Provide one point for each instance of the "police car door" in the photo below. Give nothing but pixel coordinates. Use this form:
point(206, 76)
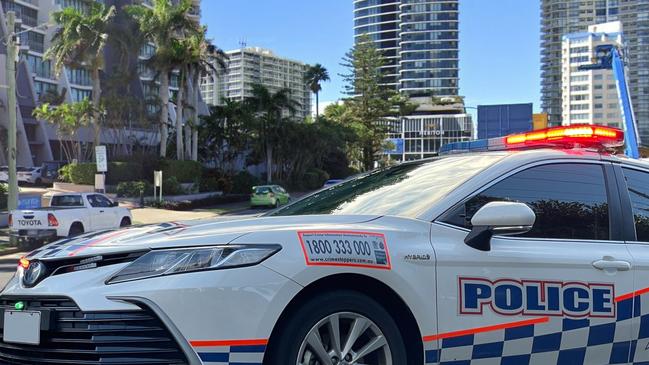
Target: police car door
point(634, 184)
point(544, 297)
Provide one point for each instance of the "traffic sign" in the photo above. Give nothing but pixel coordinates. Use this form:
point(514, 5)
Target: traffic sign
point(102, 158)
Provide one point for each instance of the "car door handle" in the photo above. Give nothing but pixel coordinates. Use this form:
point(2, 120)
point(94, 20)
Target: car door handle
point(101, 211)
point(612, 265)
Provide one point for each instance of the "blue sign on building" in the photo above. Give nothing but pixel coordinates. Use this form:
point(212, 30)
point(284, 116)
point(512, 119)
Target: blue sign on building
point(501, 120)
point(29, 201)
point(398, 146)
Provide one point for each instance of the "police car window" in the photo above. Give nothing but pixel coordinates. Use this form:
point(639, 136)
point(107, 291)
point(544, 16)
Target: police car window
point(569, 200)
point(638, 185)
point(407, 190)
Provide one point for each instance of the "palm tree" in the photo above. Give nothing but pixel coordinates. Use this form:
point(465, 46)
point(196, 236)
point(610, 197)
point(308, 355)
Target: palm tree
point(79, 42)
point(315, 75)
point(270, 107)
point(164, 25)
point(202, 58)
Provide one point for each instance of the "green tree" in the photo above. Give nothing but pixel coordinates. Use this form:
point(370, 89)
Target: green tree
point(165, 24)
point(314, 77)
point(202, 58)
point(224, 134)
point(68, 118)
point(369, 101)
point(79, 43)
point(270, 108)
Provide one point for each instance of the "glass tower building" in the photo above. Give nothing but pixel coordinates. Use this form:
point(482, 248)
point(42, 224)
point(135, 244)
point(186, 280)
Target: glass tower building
point(419, 40)
point(562, 17)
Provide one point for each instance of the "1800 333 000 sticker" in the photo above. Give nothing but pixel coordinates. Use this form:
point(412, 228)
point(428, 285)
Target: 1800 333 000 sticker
point(345, 248)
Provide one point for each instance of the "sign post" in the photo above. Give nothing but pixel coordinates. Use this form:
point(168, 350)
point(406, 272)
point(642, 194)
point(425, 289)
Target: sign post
point(101, 158)
point(157, 183)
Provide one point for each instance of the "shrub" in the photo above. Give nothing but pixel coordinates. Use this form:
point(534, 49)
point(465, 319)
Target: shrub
point(79, 173)
point(123, 171)
point(243, 182)
point(133, 189)
point(171, 186)
point(314, 179)
point(224, 184)
point(201, 203)
point(183, 171)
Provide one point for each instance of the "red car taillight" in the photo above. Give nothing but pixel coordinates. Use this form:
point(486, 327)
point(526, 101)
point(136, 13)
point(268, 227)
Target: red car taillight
point(51, 220)
point(10, 220)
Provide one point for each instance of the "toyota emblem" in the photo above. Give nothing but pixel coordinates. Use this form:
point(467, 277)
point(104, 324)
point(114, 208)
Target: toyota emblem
point(34, 273)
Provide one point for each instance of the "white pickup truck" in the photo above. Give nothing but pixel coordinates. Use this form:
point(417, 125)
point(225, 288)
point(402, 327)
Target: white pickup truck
point(69, 214)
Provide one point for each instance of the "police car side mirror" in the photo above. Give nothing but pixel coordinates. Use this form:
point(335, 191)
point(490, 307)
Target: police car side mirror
point(499, 218)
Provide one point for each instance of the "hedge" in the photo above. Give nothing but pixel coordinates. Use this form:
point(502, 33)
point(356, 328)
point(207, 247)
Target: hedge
point(84, 173)
point(201, 203)
point(183, 171)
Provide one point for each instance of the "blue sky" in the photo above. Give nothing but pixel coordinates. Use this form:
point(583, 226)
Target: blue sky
point(499, 41)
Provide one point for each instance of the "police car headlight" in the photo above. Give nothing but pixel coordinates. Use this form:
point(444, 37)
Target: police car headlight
point(178, 261)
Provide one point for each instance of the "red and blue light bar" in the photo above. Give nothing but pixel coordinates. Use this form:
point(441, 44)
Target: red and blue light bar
point(574, 136)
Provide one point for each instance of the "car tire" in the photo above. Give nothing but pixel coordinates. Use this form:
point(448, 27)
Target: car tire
point(76, 229)
point(277, 204)
point(348, 308)
point(38, 182)
point(126, 221)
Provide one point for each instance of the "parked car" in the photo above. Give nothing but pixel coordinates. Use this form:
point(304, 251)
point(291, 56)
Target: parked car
point(4, 173)
point(69, 214)
point(331, 182)
point(269, 196)
point(31, 175)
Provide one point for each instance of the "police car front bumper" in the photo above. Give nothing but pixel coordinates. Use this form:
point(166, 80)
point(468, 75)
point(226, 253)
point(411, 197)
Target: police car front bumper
point(208, 315)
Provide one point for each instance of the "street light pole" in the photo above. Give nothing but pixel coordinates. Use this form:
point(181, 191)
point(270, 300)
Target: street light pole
point(12, 202)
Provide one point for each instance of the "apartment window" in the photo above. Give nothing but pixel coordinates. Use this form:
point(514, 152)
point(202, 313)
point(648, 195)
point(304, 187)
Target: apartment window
point(598, 116)
point(79, 95)
point(579, 97)
point(613, 105)
point(598, 77)
point(598, 106)
point(611, 86)
point(579, 78)
point(579, 106)
point(579, 116)
point(598, 87)
point(579, 88)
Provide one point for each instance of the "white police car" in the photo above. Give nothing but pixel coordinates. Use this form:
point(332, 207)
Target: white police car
point(520, 256)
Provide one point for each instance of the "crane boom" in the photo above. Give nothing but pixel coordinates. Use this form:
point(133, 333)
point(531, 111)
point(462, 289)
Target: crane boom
point(609, 57)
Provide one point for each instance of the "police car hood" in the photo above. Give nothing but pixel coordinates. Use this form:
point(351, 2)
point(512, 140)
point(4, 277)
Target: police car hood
point(184, 234)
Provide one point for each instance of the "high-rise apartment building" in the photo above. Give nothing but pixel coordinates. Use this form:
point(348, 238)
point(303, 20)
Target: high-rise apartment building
point(562, 17)
point(37, 140)
point(419, 40)
point(252, 65)
point(590, 96)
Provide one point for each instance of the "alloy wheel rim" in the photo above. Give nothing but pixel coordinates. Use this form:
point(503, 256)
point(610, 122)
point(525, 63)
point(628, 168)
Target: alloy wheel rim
point(345, 338)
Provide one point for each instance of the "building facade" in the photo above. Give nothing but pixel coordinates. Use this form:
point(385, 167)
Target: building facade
point(590, 96)
point(421, 136)
point(252, 65)
point(38, 141)
point(501, 120)
point(419, 40)
point(562, 17)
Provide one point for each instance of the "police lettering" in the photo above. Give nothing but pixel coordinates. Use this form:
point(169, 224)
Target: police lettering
point(534, 298)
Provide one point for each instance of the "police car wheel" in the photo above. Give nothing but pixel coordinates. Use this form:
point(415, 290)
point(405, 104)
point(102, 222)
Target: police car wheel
point(340, 328)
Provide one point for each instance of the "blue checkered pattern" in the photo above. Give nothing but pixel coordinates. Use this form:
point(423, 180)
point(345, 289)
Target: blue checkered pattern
point(561, 341)
point(232, 355)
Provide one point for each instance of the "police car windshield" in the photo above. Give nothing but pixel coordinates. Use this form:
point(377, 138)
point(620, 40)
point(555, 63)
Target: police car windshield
point(407, 190)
